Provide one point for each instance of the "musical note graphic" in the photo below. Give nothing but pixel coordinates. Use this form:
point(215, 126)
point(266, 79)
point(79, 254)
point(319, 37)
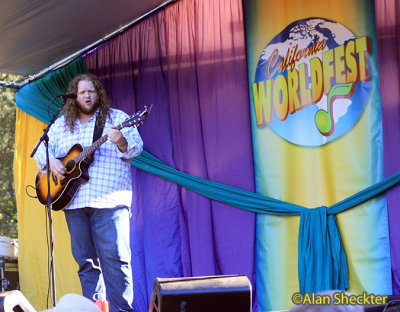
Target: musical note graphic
point(324, 119)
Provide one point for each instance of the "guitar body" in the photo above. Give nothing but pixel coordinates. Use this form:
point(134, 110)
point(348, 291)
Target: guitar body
point(63, 191)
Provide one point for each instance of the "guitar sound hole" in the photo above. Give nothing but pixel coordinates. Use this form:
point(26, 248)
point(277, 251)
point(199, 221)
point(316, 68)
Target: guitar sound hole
point(70, 165)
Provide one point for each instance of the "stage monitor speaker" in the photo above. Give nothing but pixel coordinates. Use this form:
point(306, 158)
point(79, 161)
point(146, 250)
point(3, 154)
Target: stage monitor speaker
point(223, 293)
point(14, 301)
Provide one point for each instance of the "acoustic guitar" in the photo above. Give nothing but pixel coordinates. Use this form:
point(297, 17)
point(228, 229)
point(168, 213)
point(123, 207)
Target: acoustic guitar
point(76, 162)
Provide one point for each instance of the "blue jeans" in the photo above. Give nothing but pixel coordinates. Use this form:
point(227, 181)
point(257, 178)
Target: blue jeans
point(100, 246)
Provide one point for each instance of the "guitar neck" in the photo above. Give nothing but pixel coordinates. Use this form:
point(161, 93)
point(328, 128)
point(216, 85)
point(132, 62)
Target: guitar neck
point(92, 148)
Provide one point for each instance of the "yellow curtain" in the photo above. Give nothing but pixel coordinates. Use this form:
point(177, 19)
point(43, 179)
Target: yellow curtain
point(34, 251)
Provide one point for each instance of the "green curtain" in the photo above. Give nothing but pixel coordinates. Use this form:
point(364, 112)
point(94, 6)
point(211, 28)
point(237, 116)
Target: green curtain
point(34, 98)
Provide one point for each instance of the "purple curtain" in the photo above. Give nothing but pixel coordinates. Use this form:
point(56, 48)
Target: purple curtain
point(388, 31)
point(188, 60)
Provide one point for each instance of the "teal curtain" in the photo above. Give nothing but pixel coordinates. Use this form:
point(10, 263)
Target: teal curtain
point(34, 98)
point(322, 262)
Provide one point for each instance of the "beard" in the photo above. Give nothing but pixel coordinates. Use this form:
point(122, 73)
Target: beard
point(87, 110)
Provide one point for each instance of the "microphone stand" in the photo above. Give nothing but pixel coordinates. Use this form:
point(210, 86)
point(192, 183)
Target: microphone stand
point(44, 138)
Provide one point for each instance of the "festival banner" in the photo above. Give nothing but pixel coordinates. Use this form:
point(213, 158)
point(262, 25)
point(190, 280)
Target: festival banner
point(317, 135)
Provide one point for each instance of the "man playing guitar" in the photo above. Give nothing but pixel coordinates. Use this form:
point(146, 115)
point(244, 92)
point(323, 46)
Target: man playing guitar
point(97, 210)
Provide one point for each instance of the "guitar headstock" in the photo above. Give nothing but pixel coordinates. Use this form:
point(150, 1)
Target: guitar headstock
point(137, 118)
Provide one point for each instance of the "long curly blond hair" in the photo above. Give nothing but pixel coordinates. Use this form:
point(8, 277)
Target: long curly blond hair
point(70, 108)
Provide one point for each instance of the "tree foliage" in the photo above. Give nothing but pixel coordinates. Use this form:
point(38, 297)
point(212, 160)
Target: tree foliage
point(8, 207)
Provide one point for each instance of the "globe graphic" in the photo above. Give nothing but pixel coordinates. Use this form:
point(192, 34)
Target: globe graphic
point(300, 128)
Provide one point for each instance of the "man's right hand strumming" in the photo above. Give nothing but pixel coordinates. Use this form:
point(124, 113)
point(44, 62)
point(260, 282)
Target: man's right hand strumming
point(57, 168)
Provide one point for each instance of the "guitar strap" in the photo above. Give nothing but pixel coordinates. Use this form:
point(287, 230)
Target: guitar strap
point(97, 130)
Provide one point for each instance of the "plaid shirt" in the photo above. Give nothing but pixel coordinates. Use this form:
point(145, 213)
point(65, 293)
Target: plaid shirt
point(110, 183)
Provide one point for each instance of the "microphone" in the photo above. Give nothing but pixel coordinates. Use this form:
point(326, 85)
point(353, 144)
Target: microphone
point(67, 96)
